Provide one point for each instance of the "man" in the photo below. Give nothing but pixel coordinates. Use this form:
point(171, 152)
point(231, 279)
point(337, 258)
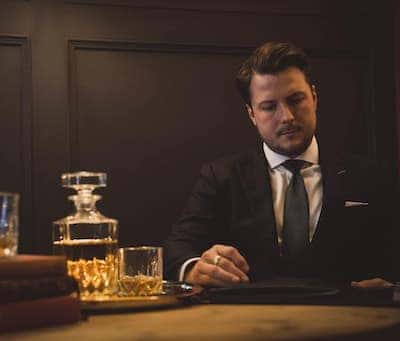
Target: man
point(285, 209)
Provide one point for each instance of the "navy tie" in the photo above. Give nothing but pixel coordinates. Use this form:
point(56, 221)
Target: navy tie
point(296, 213)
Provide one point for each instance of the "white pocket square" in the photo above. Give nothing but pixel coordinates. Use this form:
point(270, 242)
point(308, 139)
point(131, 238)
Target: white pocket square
point(355, 203)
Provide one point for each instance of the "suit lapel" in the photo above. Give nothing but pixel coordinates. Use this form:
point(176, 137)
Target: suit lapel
point(254, 177)
point(332, 172)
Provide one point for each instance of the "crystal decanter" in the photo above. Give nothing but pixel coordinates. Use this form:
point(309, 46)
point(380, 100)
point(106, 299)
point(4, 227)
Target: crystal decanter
point(87, 238)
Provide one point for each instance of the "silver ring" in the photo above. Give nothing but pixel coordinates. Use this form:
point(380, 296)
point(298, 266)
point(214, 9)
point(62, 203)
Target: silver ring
point(216, 260)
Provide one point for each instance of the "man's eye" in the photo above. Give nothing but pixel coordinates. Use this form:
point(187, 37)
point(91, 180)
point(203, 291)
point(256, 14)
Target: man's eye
point(270, 107)
point(295, 100)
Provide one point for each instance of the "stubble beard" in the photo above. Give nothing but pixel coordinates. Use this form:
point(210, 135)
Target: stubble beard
point(291, 150)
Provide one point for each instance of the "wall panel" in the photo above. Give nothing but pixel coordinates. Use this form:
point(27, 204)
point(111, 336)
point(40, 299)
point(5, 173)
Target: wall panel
point(15, 127)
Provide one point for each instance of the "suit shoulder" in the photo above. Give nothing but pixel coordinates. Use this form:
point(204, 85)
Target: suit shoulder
point(364, 167)
point(231, 160)
point(361, 163)
point(369, 175)
point(226, 165)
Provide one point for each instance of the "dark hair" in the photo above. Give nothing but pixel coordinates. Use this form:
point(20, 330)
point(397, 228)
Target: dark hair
point(270, 58)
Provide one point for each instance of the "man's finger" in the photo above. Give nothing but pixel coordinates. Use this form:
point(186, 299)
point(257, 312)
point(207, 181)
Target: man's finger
point(207, 281)
point(234, 255)
point(229, 266)
point(211, 257)
point(217, 272)
point(372, 284)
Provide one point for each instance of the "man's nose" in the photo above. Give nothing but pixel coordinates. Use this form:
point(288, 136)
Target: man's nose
point(286, 113)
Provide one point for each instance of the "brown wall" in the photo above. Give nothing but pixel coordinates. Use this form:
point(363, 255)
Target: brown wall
point(143, 90)
point(397, 75)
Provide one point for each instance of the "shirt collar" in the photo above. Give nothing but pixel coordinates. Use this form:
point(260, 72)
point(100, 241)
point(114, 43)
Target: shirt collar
point(310, 155)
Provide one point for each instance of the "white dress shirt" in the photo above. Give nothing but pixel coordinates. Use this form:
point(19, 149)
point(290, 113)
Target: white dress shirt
point(280, 178)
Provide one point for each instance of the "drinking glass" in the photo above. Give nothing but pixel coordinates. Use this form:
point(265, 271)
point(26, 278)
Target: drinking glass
point(8, 224)
point(140, 271)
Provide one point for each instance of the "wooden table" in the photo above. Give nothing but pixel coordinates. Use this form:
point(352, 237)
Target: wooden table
point(231, 322)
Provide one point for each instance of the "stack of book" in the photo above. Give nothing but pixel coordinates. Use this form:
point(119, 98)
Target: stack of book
point(36, 291)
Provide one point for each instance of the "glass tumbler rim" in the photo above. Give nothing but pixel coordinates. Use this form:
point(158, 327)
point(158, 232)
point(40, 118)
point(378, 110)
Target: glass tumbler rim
point(9, 194)
point(140, 248)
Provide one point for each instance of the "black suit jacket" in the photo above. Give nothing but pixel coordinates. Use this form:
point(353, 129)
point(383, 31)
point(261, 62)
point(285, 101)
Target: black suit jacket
point(231, 204)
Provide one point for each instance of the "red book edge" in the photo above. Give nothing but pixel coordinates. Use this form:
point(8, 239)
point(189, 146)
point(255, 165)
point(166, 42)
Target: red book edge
point(28, 266)
point(39, 313)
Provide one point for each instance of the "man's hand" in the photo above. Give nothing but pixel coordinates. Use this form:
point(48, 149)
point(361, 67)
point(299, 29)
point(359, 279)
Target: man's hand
point(374, 283)
point(219, 266)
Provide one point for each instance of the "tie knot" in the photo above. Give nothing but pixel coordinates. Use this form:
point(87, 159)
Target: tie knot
point(293, 165)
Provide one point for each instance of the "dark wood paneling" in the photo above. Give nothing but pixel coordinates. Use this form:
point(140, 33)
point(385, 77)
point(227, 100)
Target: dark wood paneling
point(15, 17)
point(304, 25)
point(144, 91)
point(50, 106)
point(280, 7)
point(15, 127)
point(346, 116)
point(397, 73)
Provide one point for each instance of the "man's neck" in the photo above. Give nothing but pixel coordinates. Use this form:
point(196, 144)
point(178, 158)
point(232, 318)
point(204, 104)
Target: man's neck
point(311, 155)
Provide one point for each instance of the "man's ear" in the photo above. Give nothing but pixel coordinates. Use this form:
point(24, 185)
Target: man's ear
point(314, 94)
point(251, 114)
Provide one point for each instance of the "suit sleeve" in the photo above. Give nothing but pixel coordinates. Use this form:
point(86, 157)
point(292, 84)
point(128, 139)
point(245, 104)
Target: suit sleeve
point(198, 226)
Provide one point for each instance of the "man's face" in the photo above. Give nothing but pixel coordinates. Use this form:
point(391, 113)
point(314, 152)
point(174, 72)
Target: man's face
point(283, 109)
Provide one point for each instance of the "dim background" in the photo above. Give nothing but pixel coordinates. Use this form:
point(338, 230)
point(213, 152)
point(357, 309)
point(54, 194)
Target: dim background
point(144, 91)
